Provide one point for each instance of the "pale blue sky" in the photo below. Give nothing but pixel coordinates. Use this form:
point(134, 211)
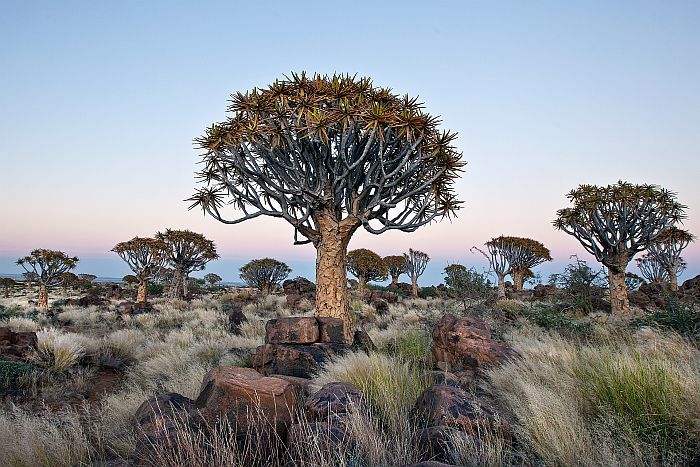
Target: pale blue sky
point(99, 102)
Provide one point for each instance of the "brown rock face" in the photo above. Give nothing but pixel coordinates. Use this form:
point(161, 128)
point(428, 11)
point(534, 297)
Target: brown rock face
point(330, 329)
point(291, 360)
point(158, 422)
point(334, 398)
point(441, 405)
point(438, 440)
point(543, 290)
point(465, 344)
point(297, 330)
point(246, 397)
point(16, 345)
point(134, 308)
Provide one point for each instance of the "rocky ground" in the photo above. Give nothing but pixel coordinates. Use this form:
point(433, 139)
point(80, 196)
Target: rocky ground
point(233, 378)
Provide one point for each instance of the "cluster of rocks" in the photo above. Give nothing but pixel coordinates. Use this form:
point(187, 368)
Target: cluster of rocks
point(380, 299)
point(99, 295)
point(298, 290)
point(16, 346)
point(655, 295)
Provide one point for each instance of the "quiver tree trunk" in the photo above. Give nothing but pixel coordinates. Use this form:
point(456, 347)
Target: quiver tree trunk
point(518, 279)
point(673, 280)
point(619, 300)
point(394, 281)
point(7, 292)
point(142, 294)
point(414, 286)
point(501, 287)
point(43, 297)
point(361, 285)
point(266, 290)
point(177, 286)
point(332, 297)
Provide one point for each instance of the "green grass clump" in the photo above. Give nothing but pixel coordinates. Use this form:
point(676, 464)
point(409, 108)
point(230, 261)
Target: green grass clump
point(412, 346)
point(551, 319)
point(12, 374)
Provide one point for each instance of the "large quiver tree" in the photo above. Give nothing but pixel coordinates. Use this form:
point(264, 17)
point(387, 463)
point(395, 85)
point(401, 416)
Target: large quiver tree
point(329, 155)
point(186, 252)
point(415, 262)
point(615, 222)
point(145, 257)
point(265, 274)
point(367, 266)
point(667, 250)
point(525, 254)
point(47, 267)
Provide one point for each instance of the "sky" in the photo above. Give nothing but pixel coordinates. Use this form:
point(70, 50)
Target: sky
point(100, 102)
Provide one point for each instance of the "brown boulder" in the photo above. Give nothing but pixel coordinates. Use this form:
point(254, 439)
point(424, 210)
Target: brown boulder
point(236, 317)
point(247, 399)
point(466, 344)
point(291, 360)
point(296, 330)
point(334, 398)
point(362, 342)
point(134, 308)
point(16, 345)
point(441, 405)
point(543, 291)
point(330, 330)
point(298, 286)
point(158, 422)
point(437, 441)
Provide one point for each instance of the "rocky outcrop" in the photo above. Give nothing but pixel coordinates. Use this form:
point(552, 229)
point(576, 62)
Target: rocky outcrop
point(466, 345)
point(302, 330)
point(335, 398)
point(134, 308)
point(543, 291)
point(442, 405)
point(298, 290)
point(291, 360)
point(15, 346)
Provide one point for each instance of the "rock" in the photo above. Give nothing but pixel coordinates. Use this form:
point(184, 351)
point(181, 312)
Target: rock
point(362, 342)
point(236, 317)
point(381, 305)
point(330, 330)
point(296, 330)
point(247, 399)
point(441, 405)
point(158, 423)
point(466, 344)
point(543, 290)
point(402, 288)
point(16, 346)
point(445, 378)
point(335, 398)
point(381, 295)
point(134, 308)
point(324, 437)
point(692, 286)
point(302, 385)
point(291, 360)
point(437, 441)
point(298, 286)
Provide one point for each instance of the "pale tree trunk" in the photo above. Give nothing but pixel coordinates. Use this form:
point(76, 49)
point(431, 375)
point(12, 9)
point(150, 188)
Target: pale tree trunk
point(361, 286)
point(414, 285)
point(142, 294)
point(518, 280)
point(7, 292)
point(266, 290)
point(177, 286)
point(673, 279)
point(185, 285)
point(43, 297)
point(394, 280)
point(619, 300)
point(332, 297)
point(501, 287)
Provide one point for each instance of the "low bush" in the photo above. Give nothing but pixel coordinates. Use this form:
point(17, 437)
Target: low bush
point(550, 318)
point(14, 375)
point(679, 317)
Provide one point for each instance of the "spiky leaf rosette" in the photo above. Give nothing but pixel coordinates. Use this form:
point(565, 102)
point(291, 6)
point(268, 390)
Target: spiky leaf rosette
point(46, 266)
point(264, 274)
point(396, 265)
point(525, 253)
point(366, 265)
point(618, 221)
point(328, 142)
point(186, 250)
point(144, 256)
point(416, 261)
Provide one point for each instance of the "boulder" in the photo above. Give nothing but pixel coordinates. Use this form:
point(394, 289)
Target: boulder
point(298, 286)
point(441, 405)
point(438, 440)
point(362, 342)
point(335, 398)
point(158, 423)
point(543, 290)
point(466, 344)
point(445, 378)
point(134, 308)
point(330, 330)
point(247, 399)
point(236, 317)
point(291, 360)
point(16, 346)
point(381, 305)
point(295, 330)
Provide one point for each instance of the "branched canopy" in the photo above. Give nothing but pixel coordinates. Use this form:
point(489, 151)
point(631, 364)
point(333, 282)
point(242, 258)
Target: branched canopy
point(416, 262)
point(7, 282)
point(334, 143)
point(187, 251)
point(130, 279)
point(396, 265)
point(87, 277)
point(618, 221)
point(144, 256)
point(668, 248)
point(264, 274)
point(498, 255)
point(212, 278)
point(525, 253)
point(366, 265)
point(465, 284)
point(47, 266)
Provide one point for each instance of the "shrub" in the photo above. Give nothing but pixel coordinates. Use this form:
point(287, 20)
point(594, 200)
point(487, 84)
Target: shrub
point(13, 374)
point(465, 284)
point(413, 345)
point(582, 285)
point(679, 317)
point(8, 312)
point(58, 351)
point(155, 290)
point(550, 318)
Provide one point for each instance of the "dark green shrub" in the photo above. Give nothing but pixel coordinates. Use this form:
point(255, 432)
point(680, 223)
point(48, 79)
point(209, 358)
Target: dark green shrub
point(428, 292)
point(12, 373)
point(466, 285)
point(551, 318)
point(8, 312)
point(155, 290)
point(582, 286)
point(680, 317)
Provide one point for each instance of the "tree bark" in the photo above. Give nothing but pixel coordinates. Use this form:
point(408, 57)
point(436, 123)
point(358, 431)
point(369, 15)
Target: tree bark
point(361, 286)
point(142, 294)
point(673, 279)
point(394, 281)
point(619, 300)
point(43, 297)
point(414, 284)
point(501, 287)
point(518, 280)
point(332, 297)
point(177, 286)
point(7, 292)
point(266, 290)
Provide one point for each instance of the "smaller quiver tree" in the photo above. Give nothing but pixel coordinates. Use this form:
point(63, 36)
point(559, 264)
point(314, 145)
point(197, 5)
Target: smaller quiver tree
point(525, 254)
point(186, 252)
point(46, 267)
point(265, 274)
point(651, 269)
point(68, 279)
point(367, 266)
point(212, 278)
point(7, 283)
point(498, 257)
point(615, 222)
point(416, 262)
point(145, 257)
point(87, 278)
point(667, 250)
point(396, 265)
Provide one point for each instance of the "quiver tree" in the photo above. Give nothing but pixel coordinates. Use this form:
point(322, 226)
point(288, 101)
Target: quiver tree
point(415, 262)
point(87, 278)
point(651, 269)
point(186, 252)
point(367, 266)
point(212, 278)
point(499, 255)
point(667, 250)
point(68, 279)
point(145, 257)
point(524, 254)
point(29, 277)
point(265, 274)
point(396, 265)
point(615, 222)
point(633, 281)
point(329, 155)
point(46, 268)
point(7, 283)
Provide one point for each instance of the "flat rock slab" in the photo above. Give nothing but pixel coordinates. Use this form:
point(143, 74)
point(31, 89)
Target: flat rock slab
point(295, 330)
point(441, 405)
point(335, 398)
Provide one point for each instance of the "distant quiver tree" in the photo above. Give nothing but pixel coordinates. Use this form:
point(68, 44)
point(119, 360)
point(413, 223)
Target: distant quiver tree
point(396, 265)
point(186, 252)
point(47, 267)
point(667, 251)
point(329, 154)
point(367, 266)
point(265, 274)
point(145, 257)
